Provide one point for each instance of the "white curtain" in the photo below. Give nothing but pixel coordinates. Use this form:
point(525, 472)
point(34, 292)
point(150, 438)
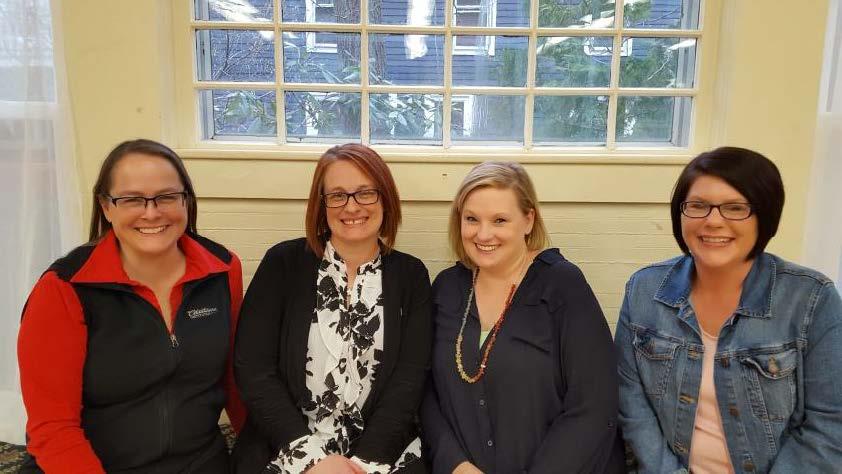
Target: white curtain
point(823, 238)
point(41, 202)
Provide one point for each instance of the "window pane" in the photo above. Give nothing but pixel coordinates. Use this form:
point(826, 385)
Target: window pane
point(406, 12)
point(653, 120)
point(574, 61)
point(332, 58)
point(489, 13)
point(321, 11)
point(235, 55)
point(576, 13)
point(406, 59)
point(234, 10)
point(570, 120)
point(405, 118)
point(683, 14)
point(322, 116)
point(487, 118)
point(490, 61)
point(238, 113)
point(658, 62)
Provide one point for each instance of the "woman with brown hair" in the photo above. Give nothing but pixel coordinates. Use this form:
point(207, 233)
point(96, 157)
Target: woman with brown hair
point(124, 343)
point(333, 347)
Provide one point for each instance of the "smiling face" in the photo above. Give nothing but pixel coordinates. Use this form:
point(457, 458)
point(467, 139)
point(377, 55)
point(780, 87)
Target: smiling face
point(493, 228)
point(353, 224)
point(148, 231)
point(716, 242)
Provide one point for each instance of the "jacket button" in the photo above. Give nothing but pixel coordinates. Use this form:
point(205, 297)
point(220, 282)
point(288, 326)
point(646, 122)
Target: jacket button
point(724, 362)
point(732, 409)
point(482, 402)
point(490, 443)
point(686, 399)
point(773, 366)
point(748, 466)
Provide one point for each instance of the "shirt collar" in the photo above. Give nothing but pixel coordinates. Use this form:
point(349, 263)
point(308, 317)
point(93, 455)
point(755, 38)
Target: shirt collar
point(332, 256)
point(755, 299)
point(104, 264)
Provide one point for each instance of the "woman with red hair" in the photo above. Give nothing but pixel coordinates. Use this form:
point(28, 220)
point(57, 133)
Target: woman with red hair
point(334, 342)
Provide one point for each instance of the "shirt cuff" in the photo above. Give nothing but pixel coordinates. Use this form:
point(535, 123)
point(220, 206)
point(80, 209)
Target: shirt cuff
point(298, 456)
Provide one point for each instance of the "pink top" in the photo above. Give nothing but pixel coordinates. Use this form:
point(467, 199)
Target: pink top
point(708, 450)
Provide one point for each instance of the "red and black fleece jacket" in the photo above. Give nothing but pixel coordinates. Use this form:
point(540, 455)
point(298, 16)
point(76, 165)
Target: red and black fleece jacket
point(106, 385)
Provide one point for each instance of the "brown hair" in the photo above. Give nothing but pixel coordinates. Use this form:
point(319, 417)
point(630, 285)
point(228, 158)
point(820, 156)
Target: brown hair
point(500, 175)
point(370, 163)
point(99, 224)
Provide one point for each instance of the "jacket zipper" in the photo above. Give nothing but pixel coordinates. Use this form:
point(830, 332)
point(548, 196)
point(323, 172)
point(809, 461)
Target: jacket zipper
point(166, 434)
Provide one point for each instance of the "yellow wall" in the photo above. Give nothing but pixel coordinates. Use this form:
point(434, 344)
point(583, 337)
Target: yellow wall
point(760, 71)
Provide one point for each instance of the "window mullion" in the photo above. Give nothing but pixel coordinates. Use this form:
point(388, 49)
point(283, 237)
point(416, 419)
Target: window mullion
point(531, 67)
point(613, 97)
point(280, 98)
point(447, 100)
point(230, 25)
point(241, 85)
point(365, 125)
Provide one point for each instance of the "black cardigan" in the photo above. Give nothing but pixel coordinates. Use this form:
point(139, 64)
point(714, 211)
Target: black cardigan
point(548, 400)
point(271, 350)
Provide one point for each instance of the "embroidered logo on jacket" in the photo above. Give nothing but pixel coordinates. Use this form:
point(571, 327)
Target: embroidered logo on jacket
point(201, 312)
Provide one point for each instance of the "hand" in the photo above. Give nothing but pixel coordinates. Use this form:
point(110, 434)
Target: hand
point(336, 464)
point(466, 468)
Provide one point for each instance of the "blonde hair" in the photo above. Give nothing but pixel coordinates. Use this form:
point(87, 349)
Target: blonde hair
point(500, 175)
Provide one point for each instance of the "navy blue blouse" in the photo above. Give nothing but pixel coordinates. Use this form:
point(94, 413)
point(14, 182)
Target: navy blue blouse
point(548, 400)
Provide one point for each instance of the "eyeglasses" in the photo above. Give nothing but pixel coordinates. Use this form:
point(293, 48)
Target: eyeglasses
point(363, 197)
point(163, 202)
point(733, 211)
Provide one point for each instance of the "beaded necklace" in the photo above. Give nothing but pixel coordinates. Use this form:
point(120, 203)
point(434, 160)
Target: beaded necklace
point(492, 336)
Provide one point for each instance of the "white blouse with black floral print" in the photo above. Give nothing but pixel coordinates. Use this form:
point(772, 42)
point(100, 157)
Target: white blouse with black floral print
point(344, 349)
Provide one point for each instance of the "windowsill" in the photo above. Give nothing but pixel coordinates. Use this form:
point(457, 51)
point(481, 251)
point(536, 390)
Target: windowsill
point(437, 154)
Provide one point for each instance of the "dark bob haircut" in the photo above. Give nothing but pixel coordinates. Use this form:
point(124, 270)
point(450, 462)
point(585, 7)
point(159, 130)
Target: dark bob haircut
point(99, 224)
point(750, 173)
point(370, 163)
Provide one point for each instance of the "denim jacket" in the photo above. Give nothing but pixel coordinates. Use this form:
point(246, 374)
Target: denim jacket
point(777, 369)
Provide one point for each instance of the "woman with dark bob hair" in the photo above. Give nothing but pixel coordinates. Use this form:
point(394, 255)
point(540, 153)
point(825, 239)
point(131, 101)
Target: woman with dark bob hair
point(729, 356)
point(124, 344)
point(333, 346)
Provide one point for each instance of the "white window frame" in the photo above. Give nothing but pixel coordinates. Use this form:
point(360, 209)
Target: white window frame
point(467, 102)
point(312, 45)
point(591, 50)
point(700, 122)
point(487, 48)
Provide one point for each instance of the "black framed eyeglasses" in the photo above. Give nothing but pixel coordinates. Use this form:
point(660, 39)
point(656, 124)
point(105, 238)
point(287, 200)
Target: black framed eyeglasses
point(733, 211)
point(163, 202)
point(362, 197)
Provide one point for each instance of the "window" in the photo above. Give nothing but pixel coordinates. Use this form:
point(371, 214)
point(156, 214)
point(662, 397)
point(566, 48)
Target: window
point(320, 12)
point(530, 75)
point(482, 13)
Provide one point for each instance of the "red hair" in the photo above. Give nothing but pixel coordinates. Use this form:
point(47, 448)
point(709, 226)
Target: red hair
point(370, 163)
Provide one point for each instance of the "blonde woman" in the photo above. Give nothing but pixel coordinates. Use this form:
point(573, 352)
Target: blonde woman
point(524, 372)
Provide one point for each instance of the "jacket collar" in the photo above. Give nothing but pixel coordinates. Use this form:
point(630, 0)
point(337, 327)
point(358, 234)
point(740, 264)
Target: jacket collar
point(756, 297)
point(104, 264)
